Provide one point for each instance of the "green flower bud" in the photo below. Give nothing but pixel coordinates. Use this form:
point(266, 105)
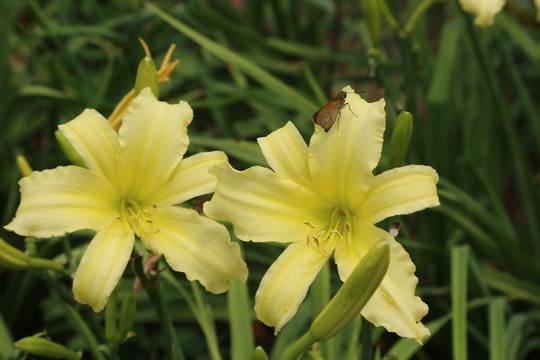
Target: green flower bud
point(43, 347)
point(127, 317)
point(259, 354)
point(24, 167)
point(13, 258)
point(353, 294)
point(401, 137)
point(372, 17)
point(68, 149)
point(147, 77)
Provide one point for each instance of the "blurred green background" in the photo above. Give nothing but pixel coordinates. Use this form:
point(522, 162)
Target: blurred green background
point(246, 68)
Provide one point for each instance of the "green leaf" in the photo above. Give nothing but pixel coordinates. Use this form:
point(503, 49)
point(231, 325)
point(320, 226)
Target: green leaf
point(459, 277)
point(497, 344)
point(240, 310)
point(240, 149)
point(290, 95)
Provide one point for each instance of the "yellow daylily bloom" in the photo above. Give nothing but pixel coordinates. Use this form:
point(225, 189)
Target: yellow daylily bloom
point(133, 179)
point(324, 200)
point(485, 10)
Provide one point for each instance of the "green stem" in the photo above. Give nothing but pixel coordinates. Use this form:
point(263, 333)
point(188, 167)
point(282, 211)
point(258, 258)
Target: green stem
point(417, 15)
point(207, 322)
point(159, 304)
point(38, 263)
point(110, 317)
point(82, 328)
point(299, 347)
point(389, 18)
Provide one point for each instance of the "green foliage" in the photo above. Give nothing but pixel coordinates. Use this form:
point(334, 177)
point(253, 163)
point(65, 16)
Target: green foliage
point(246, 68)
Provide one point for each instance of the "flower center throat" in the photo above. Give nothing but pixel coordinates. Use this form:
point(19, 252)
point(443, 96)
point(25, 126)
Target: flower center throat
point(324, 240)
point(137, 218)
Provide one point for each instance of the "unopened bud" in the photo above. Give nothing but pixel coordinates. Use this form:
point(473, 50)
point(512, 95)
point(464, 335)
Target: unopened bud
point(353, 294)
point(373, 21)
point(401, 138)
point(13, 258)
point(24, 167)
point(42, 347)
point(259, 354)
point(147, 77)
point(72, 155)
point(127, 317)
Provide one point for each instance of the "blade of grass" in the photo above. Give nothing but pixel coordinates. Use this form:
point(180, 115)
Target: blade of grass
point(480, 238)
point(208, 324)
point(290, 95)
point(241, 149)
point(497, 348)
point(202, 314)
point(445, 64)
point(519, 36)
point(351, 346)
point(242, 342)
point(520, 167)
point(6, 340)
point(459, 261)
point(404, 349)
point(514, 287)
point(84, 331)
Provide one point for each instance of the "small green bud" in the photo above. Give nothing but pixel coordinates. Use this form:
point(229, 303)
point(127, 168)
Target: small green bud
point(127, 317)
point(401, 138)
point(259, 354)
point(353, 294)
point(43, 347)
point(372, 17)
point(147, 77)
point(68, 149)
point(13, 258)
point(24, 167)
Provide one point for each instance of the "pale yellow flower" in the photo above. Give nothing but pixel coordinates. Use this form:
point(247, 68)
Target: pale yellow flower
point(134, 178)
point(485, 10)
point(537, 3)
point(324, 200)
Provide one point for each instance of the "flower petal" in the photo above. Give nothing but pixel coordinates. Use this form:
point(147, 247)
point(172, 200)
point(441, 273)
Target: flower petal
point(263, 206)
point(399, 191)
point(394, 304)
point(197, 246)
point(191, 178)
point(285, 284)
point(62, 200)
point(153, 140)
point(286, 152)
point(485, 10)
point(102, 265)
point(341, 161)
point(95, 140)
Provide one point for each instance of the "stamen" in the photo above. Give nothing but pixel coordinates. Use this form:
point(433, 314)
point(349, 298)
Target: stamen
point(138, 219)
point(324, 240)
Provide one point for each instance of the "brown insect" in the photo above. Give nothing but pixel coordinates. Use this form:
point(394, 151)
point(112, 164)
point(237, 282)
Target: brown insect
point(329, 113)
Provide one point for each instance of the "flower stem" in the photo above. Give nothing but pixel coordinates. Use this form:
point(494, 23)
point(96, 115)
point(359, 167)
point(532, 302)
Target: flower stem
point(299, 347)
point(206, 321)
point(417, 15)
point(157, 300)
